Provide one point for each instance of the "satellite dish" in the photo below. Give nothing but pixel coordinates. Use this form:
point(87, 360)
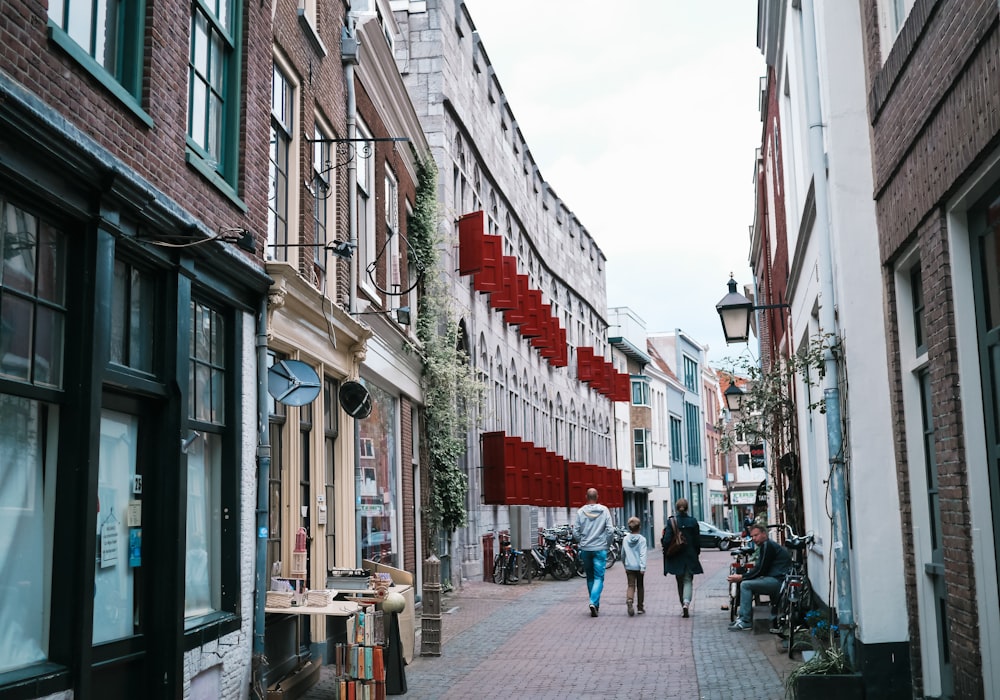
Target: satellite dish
point(355, 399)
point(292, 383)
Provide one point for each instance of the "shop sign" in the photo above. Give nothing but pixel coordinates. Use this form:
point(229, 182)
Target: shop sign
point(757, 456)
point(743, 498)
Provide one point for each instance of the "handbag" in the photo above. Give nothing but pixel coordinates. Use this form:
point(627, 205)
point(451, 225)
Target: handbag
point(678, 542)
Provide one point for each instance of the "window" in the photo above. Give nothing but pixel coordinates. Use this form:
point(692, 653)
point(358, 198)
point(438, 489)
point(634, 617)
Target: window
point(213, 90)
point(206, 411)
point(106, 37)
point(917, 299)
point(640, 391)
point(305, 484)
point(276, 419)
point(278, 186)
point(32, 298)
point(693, 419)
point(365, 205)
point(323, 202)
point(690, 375)
point(132, 308)
point(28, 431)
point(640, 439)
point(391, 251)
point(676, 440)
point(330, 429)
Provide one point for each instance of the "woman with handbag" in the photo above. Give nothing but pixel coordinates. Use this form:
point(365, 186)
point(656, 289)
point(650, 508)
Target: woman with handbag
point(680, 552)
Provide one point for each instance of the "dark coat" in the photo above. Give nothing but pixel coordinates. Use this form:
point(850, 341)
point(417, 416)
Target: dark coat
point(687, 560)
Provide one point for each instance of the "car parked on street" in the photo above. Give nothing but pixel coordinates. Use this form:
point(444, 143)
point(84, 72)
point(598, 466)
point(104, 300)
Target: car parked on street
point(711, 536)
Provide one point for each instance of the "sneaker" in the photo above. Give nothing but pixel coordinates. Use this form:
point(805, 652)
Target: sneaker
point(685, 612)
point(631, 610)
point(642, 611)
point(739, 626)
point(593, 610)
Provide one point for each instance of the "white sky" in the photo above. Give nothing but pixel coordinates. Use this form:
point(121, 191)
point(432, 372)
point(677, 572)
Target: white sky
point(643, 117)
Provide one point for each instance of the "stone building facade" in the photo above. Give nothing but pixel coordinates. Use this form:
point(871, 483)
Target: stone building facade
point(484, 164)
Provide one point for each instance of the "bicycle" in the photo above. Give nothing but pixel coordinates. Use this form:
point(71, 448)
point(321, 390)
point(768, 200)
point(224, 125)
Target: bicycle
point(511, 565)
point(795, 594)
point(742, 563)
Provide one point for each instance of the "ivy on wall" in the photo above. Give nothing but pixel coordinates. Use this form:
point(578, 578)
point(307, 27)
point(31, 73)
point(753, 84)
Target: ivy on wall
point(452, 391)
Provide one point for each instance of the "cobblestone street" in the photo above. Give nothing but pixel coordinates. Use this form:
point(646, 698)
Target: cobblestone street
point(539, 641)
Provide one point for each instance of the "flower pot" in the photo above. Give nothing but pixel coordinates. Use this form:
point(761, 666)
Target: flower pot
point(848, 686)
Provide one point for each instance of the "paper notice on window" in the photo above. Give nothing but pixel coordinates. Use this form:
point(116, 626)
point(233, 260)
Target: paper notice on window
point(109, 544)
point(134, 516)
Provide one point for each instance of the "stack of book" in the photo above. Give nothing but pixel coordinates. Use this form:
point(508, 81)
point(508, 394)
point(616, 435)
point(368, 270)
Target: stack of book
point(360, 663)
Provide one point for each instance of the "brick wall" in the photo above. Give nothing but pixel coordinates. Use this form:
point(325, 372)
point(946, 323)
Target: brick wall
point(155, 153)
point(934, 105)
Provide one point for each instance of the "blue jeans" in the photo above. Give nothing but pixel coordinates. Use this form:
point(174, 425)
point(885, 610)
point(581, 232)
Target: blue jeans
point(765, 584)
point(593, 565)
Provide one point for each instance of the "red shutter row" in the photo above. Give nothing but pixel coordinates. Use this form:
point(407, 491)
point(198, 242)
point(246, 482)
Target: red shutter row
point(493, 273)
point(602, 376)
point(517, 472)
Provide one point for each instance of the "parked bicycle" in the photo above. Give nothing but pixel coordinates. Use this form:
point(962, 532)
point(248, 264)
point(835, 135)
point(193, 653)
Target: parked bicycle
point(742, 562)
point(510, 565)
point(795, 594)
point(551, 557)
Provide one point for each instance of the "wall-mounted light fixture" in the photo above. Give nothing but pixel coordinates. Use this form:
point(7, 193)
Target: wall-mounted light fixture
point(735, 311)
point(402, 314)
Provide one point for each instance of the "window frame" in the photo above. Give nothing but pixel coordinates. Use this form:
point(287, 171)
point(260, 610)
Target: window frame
point(221, 168)
point(125, 80)
point(227, 427)
point(281, 149)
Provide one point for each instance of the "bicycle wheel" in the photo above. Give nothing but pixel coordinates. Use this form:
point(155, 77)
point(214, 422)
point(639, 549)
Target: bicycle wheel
point(499, 564)
point(734, 602)
point(792, 612)
point(612, 558)
point(561, 568)
point(522, 567)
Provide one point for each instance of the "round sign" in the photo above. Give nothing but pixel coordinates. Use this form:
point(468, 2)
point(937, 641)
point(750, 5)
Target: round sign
point(355, 399)
point(292, 383)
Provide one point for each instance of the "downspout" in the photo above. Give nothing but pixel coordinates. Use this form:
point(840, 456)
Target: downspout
point(828, 324)
point(350, 48)
point(263, 476)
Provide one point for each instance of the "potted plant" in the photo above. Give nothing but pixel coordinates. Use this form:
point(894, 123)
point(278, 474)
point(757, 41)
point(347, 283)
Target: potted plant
point(827, 673)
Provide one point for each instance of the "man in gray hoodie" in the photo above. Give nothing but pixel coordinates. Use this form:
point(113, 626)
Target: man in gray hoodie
point(593, 530)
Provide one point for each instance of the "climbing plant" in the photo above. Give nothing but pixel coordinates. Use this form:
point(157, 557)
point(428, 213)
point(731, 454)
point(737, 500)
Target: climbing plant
point(452, 391)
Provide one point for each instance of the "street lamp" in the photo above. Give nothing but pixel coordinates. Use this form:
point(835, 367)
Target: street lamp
point(735, 311)
point(734, 398)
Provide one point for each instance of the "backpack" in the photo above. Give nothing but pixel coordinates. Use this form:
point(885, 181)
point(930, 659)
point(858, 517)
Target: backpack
point(677, 543)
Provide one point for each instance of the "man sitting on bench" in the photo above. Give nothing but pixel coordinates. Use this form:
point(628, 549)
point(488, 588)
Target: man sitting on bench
point(773, 562)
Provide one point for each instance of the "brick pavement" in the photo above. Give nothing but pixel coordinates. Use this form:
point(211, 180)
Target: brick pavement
point(539, 641)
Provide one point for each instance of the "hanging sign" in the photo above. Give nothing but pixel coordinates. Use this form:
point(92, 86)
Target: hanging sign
point(757, 456)
point(109, 543)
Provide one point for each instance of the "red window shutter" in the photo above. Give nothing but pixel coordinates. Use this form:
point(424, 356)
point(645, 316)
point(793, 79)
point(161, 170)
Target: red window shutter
point(470, 243)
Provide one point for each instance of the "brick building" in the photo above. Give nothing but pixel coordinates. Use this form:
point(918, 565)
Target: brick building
point(934, 111)
point(343, 174)
point(133, 189)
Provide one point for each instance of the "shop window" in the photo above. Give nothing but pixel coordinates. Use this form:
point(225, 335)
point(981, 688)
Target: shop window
point(378, 535)
point(28, 430)
point(330, 429)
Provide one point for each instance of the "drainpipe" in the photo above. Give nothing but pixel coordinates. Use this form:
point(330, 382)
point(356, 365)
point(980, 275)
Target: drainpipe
point(263, 476)
point(828, 324)
point(350, 49)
